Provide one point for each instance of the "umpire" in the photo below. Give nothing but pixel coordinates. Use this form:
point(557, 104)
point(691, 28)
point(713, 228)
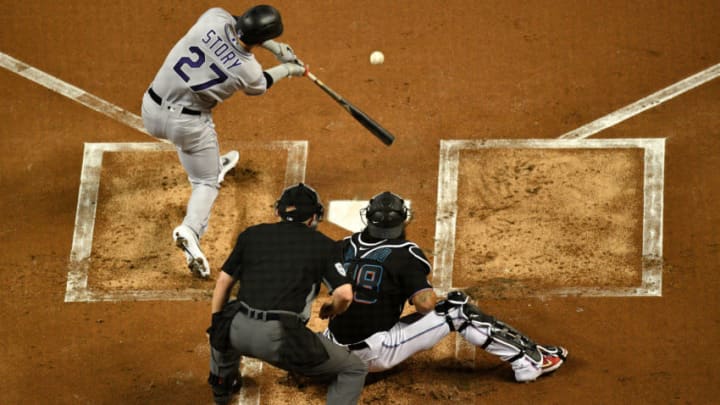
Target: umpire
point(279, 267)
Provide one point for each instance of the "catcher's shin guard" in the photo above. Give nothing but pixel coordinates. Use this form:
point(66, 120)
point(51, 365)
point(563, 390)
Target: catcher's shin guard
point(503, 334)
point(455, 299)
point(494, 336)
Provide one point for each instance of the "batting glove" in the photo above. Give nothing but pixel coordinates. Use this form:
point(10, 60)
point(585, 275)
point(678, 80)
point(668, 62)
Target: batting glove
point(283, 52)
point(294, 69)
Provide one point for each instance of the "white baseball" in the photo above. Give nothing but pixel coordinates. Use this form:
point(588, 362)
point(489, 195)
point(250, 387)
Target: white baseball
point(377, 58)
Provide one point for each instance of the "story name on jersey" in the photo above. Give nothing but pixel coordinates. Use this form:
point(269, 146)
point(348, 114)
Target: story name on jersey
point(221, 49)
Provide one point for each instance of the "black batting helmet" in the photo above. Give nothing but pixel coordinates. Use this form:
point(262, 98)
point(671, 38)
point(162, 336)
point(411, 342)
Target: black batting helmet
point(386, 216)
point(259, 24)
point(298, 203)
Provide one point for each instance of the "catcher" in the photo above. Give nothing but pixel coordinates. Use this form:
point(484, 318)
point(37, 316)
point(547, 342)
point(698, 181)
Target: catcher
point(386, 270)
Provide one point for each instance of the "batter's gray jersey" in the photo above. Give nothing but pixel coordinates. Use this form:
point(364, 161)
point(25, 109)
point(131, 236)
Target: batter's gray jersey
point(208, 65)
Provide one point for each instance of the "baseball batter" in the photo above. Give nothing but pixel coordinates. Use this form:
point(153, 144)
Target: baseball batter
point(387, 270)
point(206, 66)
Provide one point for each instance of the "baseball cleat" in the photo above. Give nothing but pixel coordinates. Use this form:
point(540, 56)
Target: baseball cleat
point(553, 357)
point(187, 241)
point(528, 369)
point(228, 161)
point(222, 396)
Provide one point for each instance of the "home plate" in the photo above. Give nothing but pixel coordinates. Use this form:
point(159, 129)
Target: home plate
point(346, 214)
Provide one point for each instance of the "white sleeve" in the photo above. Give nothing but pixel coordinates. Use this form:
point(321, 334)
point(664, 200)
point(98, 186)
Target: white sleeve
point(254, 80)
point(216, 13)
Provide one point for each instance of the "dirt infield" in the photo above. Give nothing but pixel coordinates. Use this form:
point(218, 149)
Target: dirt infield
point(466, 70)
point(130, 249)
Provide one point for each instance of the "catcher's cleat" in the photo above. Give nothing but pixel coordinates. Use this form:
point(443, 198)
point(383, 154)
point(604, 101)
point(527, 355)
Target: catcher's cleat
point(228, 161)
point(553, 357)
point(535, 363)
point(526, 368)
point(187, 241)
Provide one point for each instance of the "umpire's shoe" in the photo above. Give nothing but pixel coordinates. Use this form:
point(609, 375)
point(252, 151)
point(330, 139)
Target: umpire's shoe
point(222, 394)
point(186, 239)
point(228, 161)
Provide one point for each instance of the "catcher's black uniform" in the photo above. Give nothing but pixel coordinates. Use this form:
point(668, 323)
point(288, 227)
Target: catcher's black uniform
point(385, 274)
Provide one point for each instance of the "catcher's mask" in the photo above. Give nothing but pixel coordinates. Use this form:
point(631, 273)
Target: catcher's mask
point(298, 203)
point(386, 216)
point(259, 24)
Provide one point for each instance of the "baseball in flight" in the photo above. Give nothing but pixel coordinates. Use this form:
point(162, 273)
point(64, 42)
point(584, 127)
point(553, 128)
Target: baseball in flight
point(377, 58)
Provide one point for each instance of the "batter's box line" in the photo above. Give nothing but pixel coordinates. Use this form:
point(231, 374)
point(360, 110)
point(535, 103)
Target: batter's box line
point(77, 289)
point(654, 168)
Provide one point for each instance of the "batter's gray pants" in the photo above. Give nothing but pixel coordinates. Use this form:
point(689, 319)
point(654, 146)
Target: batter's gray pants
point(262, 340)
point(197, 146)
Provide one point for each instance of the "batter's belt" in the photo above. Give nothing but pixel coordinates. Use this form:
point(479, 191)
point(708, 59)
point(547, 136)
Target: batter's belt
point(154, 96)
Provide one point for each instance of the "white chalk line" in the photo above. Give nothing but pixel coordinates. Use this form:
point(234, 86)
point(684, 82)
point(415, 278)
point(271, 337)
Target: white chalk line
point(446, 217)
point(646, 103)
point(251, 369)
point(296, 162)
point(74, 93)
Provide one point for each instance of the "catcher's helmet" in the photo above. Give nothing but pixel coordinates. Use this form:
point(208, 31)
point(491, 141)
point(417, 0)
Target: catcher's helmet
point(386, 216)
point(259, 24)
point(298, 203)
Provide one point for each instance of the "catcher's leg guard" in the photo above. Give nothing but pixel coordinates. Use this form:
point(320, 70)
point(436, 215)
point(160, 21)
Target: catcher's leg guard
point(454, 303)
point(502, 333)
point(494, 336)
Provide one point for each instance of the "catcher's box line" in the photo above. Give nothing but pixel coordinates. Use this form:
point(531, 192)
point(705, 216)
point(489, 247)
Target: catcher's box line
point(654, 168)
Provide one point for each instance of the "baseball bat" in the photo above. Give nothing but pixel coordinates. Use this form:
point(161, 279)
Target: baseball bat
point(376, 129)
